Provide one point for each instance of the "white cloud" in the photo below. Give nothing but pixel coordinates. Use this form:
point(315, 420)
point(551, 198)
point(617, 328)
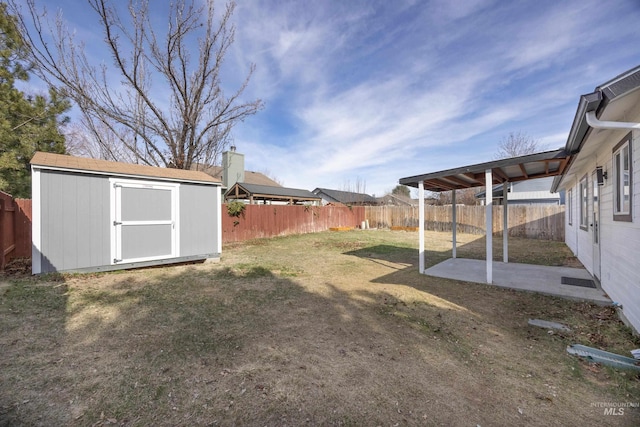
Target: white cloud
point(381, 90)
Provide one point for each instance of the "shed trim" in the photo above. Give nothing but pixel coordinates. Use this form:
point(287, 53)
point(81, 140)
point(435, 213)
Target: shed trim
point(36, 227)
point(65, 163)
point(124, 175)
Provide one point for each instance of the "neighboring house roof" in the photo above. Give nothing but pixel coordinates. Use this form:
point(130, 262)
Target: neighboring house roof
point(345, 197)
point(246, 191)
point(396, 200)
point(596, 106)
point(531, 166)
point(81, 164)
point(249, 176)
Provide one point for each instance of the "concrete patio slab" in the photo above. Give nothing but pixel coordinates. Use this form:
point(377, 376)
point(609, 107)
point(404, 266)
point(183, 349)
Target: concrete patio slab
point(525, 277)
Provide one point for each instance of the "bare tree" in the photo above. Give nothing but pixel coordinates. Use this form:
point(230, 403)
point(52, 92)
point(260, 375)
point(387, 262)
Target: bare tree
point(466, 196)
point(132, 116)
point(359, 186)
point(517, 144)
point(80, 141)
point(267, 172)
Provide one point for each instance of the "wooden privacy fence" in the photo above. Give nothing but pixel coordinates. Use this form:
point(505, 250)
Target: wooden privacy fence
point(531, 221)
point(257, 221)
point(15, 228)
point(278, 220)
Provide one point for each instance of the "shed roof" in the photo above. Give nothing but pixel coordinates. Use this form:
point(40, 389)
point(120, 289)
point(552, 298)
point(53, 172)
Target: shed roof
point(81, 164)
point(531, 166)
point(243, 190)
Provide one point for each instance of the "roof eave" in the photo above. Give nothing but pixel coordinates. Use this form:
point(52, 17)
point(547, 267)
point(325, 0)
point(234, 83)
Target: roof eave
point(621, 84)
point(597, 101)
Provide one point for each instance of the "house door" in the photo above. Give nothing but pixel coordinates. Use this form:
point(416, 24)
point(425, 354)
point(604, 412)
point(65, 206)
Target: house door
point(144, 223)
point(595, 225)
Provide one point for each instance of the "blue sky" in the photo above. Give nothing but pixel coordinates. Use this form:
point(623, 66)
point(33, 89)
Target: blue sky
point(379, 90)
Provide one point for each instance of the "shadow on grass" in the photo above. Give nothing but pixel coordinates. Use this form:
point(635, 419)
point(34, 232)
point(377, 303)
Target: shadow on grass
point(250, 343)
point(240, 344)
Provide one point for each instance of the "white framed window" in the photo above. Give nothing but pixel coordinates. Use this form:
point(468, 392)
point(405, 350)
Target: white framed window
point(622, 185)
point(570, 206)
point(584, 203)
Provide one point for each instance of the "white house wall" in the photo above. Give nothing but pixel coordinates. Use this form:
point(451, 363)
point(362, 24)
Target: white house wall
point(620, 272)
point(619, 240)
point(545, 196)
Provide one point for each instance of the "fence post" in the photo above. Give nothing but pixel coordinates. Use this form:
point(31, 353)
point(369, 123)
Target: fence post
point(2, 237)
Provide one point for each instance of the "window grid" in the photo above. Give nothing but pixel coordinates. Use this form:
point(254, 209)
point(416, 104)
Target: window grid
point(622, 185)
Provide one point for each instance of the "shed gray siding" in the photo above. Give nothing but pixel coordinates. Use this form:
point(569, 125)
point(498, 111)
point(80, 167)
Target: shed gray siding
point(198, 219)
point(75, 221)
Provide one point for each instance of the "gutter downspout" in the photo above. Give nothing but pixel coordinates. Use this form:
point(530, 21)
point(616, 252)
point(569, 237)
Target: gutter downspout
point(595, 123)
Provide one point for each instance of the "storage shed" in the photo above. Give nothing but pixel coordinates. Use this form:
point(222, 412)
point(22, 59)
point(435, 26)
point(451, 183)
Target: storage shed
point(96, 215)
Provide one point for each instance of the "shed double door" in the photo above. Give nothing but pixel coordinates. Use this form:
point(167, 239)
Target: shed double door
point(144, 224)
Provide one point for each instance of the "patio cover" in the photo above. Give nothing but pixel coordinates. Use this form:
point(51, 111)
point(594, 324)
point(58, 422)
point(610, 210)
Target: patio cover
point(532, 166)
point(265, 193)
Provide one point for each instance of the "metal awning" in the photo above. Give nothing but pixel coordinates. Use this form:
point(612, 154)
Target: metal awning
point(532, 166)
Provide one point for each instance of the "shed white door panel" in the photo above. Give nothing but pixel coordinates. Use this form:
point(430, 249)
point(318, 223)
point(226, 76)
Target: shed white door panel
point(145, 225)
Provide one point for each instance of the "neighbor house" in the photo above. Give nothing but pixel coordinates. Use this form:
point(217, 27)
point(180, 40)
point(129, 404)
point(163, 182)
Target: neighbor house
point(253, 187)
point(232, 171)
point(530, 192)
point(348, 198)
point(602, 184)
point(396, 200)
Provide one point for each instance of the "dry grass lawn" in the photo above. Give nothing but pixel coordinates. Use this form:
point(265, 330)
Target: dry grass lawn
point(334, 328)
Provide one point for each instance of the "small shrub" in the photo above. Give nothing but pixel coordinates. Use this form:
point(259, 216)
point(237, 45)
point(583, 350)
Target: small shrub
point(235, 208)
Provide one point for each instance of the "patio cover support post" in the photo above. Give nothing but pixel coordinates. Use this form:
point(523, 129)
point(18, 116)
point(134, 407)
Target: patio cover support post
point(488, 175)
point(454, 224)
point(505, 225)
point(421, 226)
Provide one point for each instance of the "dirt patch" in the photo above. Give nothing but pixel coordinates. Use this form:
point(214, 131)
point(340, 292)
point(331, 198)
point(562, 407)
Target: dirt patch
point(17, 267)
point(321, 329)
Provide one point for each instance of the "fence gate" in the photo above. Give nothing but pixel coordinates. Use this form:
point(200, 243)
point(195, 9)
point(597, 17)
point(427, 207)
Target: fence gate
point(144, 221)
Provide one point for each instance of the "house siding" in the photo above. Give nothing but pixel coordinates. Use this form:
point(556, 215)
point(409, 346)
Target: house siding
point(620, 273)
point(619, 240)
